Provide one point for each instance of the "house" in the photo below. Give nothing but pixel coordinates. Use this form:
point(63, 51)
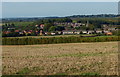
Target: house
point(29, 32)
point(42, 26)
point(21, 33)
point(105, 31)
point(112, 29)
point(99, 31)
point(52, 33)
point(11, 28)
point(16, 30)
point(6, 32)
point(84, 32)
point(59, 32)
point(41, 32)
point(46, 33)
point(76, 32)
point(90, 32)
point(25, 31)
point(68, 32)
point(108, 33)
point(36, 25)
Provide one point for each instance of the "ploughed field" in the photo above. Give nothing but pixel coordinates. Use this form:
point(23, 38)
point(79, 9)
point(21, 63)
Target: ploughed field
point(99, 58)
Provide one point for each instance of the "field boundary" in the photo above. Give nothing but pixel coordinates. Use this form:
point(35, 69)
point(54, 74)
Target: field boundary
point(56, 40)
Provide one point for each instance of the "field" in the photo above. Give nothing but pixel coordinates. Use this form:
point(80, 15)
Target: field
point(20, 23)
point(99, 58)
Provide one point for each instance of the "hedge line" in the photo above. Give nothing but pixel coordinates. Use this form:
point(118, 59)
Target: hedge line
point(55, 40)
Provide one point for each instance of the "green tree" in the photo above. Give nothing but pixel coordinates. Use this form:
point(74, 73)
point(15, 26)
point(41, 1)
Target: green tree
point(52, 29)
point(83, 27)
point(47, 26)
point(60, 28)
point(78, 28)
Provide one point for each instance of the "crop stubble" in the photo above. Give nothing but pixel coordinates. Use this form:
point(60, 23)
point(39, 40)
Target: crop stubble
point(57, 59)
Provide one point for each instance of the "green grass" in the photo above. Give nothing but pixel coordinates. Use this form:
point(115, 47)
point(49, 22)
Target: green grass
point(82, 74)
point(97, 18)
point(27, 70)
point(20, 23)
point(81, 54)
point(60, 74)
point(89, 74)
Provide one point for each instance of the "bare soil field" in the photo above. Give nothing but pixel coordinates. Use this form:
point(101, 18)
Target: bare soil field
point(100, 58)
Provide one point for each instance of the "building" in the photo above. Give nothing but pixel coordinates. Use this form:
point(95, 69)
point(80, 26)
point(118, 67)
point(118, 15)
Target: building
point(108, 33)
point(68, 32)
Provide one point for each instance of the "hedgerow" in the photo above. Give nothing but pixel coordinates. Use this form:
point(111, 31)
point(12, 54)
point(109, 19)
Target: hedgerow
point(55, 40)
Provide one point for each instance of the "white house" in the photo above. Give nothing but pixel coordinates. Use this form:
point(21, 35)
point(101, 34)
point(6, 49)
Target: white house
point(68, 32)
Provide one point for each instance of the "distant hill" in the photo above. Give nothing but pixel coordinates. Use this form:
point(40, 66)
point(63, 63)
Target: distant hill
point(101, 15)
point(74, 16)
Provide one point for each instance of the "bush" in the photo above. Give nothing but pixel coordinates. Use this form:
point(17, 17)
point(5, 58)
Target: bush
point(55, 40)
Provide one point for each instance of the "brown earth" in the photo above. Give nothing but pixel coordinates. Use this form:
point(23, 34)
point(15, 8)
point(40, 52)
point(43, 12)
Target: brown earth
point(61, 59)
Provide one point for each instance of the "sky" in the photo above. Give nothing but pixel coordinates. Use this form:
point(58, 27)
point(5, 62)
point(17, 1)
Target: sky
point(60, 0)
point(61, 9)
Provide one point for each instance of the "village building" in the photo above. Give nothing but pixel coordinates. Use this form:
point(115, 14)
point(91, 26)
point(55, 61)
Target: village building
point(41, 32)
point(7, 32)
point(76, 32)
point(52, 33)
point(99, 31)
point(84, 32)
point(108, 33)
point(90, 32)
point(17, 31)
point(68, 32)
point(59, 32)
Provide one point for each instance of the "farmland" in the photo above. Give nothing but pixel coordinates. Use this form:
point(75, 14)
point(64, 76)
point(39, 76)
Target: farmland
point(99, 58)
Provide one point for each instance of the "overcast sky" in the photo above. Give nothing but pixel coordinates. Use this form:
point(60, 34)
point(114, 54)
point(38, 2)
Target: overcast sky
point(44, 9)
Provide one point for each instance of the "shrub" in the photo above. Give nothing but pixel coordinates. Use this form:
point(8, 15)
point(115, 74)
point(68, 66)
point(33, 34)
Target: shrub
point(55, 40)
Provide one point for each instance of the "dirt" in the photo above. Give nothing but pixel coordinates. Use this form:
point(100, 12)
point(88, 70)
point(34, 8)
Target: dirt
point(61, 59)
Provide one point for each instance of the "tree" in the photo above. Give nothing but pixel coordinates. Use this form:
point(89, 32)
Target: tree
point(81, 32)
point(12, 25)
point(52, 29)
point(83, 27)
point(77, 28)
point(91, 27)
point(60, 28)
point(47, 26)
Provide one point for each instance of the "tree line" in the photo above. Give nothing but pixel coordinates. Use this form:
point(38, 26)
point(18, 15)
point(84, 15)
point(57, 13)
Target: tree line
point(55, 40)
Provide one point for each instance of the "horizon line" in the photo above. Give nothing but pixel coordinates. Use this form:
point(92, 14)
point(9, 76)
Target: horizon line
point(54, 16)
